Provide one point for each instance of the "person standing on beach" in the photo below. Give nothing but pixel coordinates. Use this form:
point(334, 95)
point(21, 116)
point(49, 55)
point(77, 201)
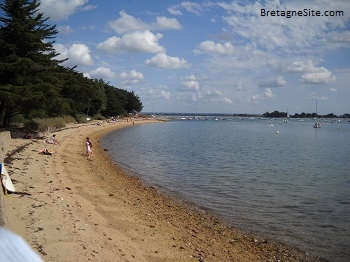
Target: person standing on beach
point(89, 152)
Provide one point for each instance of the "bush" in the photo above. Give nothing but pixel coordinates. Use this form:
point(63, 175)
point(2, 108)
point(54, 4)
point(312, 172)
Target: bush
point(81, 118)
point(31, 126)
point(43, 124)
point(99, 117)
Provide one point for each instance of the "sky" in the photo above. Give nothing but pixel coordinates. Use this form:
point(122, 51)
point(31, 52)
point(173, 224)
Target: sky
point(212, 56)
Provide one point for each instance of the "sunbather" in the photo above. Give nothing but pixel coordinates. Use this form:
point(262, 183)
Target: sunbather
point(53, 140)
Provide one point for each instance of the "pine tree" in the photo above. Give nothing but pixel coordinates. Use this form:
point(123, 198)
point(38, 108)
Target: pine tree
point(29, 74)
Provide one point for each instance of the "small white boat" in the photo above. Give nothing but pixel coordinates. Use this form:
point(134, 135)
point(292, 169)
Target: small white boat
point(317, 125)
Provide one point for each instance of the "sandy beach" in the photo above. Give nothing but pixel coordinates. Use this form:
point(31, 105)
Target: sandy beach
point(71, 208)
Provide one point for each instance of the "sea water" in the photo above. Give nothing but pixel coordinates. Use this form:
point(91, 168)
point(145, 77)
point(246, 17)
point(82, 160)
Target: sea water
point(288, 182)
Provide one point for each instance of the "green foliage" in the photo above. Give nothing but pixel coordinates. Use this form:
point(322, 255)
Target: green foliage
point(116, 101)
point(99, 117)
point(25, 60)
point(31, 126)
point(34, 84)
point(276, 114)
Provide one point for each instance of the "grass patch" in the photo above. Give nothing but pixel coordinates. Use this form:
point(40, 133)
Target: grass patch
point(45, 124)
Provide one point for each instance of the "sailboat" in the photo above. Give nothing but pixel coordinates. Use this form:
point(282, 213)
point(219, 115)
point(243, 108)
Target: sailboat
point(287, 117)
point(317, 124)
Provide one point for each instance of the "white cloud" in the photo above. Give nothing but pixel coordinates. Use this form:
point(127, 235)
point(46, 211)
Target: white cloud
point(86, 75)
point(321, 77)
point(217, 93)
point(192, 7)
point(275, 32)
point(257, 98)
point(78, 54)
point(268, 93)
point(88, 8)
point(58, 10)
point(273, 82)
point(145, 41)
point(102, 72)
point(131, 78)
point(235, 7)
point(127, 24)
point(217, 48)
point(209, 95)
point(314, 96)
point(162, 60)
point(190, 84)
point(174, 10)
point(163, 22)
point(65, 29)
point(243, 59)
point(301, 67)
point(340, 37)
point(160, 93)
point(227, 100)
point(309, 72)
point(239, 87)
point(191, 77)
point(164, 94)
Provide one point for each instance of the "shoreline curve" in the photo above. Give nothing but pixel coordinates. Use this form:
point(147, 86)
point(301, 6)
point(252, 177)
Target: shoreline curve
point(94, 210)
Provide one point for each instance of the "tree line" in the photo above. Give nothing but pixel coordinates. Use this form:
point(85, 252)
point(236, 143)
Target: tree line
point(277, 114)
point(34, 84)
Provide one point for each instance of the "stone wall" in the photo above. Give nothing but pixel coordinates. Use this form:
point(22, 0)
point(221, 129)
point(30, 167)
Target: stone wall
point(4, 139)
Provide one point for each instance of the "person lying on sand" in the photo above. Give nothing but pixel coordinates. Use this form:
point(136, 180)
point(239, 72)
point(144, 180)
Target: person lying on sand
point(46, 152)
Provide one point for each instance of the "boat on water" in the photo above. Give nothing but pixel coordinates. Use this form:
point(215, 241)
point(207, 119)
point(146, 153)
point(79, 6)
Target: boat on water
point(286, 120)
point(316, 124)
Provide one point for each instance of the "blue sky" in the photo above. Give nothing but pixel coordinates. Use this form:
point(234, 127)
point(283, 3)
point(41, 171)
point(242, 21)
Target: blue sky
point(211, 56)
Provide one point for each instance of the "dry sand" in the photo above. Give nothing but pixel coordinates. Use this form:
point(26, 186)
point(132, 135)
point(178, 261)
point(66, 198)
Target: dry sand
point(70, 208)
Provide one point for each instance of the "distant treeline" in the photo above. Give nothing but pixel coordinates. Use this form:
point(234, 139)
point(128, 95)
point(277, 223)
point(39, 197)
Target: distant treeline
point(33, 84)
point(275, 114)
point(278, 114)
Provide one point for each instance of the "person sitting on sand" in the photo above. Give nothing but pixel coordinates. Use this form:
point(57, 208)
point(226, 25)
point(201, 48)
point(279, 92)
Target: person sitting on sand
point(89, 152)
point(53, 140)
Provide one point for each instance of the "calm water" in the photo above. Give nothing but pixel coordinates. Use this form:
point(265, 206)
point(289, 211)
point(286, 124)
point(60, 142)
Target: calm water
point(292, 187)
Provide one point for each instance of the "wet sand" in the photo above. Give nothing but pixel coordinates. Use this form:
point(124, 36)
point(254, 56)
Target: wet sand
point(71, 208)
